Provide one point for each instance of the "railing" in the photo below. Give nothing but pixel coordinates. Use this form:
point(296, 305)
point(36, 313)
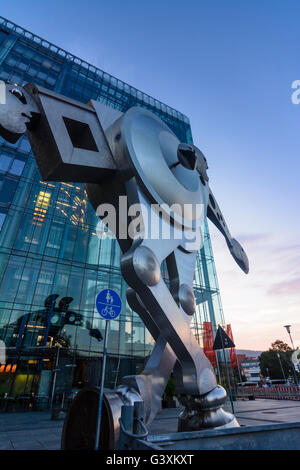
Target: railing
point(33, 403)
point(23, 403)
point(278, 392)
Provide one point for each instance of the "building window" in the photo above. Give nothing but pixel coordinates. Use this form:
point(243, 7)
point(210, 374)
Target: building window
point(10, 165)
point(8, 189)
point(2, 218)
point(5, 161)
point(17, 167)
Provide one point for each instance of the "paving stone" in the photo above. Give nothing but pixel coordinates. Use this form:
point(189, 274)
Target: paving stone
point(6, 446)
point(36, 431)
point(27, 446)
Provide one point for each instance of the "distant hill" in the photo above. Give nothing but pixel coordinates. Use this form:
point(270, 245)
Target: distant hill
point(248, 352)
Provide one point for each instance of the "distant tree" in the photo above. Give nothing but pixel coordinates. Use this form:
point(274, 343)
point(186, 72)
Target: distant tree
point(269, 362)
point(279, 345)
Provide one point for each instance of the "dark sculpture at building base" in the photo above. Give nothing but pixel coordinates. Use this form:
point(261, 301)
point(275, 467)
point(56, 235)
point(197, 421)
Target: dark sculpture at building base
point(136, 155)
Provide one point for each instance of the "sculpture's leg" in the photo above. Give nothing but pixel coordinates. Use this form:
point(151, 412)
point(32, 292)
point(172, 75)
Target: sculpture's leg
point(200, 412)
point(151, 383)
point(158, 308)
point(153, 380)
point(141, 270)
point(204, 411)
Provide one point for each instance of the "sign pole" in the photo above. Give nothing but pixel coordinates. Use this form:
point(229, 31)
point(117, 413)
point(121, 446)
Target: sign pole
point(222, 340)
point(102, 385)
point(218, 367)
point(227, 373)
point(109, 306)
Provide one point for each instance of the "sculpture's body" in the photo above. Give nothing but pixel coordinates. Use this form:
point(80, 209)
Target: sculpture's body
point(137, 155)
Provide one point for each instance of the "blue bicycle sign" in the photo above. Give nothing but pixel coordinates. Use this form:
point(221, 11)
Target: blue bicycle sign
point(108, 304)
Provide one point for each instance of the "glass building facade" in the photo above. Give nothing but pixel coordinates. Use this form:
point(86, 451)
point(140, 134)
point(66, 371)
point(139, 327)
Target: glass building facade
point(52, 263)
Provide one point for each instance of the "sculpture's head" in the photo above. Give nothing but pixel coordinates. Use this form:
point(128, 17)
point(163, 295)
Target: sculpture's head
point(192, 158)
point(17, 113)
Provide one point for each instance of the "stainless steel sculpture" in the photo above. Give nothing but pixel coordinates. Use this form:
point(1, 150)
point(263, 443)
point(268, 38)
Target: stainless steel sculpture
point(137, 155)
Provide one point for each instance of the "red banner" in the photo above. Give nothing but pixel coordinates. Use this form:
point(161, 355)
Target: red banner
point(232, 350)
point(208, 342)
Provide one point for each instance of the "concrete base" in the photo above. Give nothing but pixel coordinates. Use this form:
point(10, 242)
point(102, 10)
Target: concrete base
point(285, 436)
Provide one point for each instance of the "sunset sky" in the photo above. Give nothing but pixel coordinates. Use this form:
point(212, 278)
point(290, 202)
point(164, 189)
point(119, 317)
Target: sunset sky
point(229, 66)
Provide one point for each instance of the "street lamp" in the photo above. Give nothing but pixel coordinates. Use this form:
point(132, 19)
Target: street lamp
point(288, 329)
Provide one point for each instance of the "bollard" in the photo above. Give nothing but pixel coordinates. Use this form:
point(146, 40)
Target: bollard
point(138, 413)
point(126, 422)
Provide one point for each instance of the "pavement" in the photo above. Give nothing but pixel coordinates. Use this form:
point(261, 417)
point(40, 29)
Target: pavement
point(248, 413)
point(36, 431)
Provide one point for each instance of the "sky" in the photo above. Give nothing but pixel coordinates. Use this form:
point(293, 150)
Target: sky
point(229, 66)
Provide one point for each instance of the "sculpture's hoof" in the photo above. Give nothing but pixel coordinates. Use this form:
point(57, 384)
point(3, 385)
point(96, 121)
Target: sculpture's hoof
point(205, 412)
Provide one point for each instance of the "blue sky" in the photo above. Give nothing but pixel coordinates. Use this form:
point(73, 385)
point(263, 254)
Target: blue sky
point(228, 65)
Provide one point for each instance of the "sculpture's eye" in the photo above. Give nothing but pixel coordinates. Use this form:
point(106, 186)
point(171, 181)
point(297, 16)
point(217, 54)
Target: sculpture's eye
point(18, 94)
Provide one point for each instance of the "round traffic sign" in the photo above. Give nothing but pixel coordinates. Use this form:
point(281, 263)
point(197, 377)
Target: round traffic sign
point(108, 304)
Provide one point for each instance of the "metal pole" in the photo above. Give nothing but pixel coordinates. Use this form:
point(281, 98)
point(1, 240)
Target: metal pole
point(54, 377)
point(228, 379)
point(278, 355)
point(218, 367)
point(227, 373)
point(294, 372)
point(102, 386)
point(238, 366)
point(291, 340)
point(288, 329)
point(293, 367)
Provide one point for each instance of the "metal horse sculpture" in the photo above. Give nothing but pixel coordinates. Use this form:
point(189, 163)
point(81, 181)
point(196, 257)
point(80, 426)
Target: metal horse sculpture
point(135, 154)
